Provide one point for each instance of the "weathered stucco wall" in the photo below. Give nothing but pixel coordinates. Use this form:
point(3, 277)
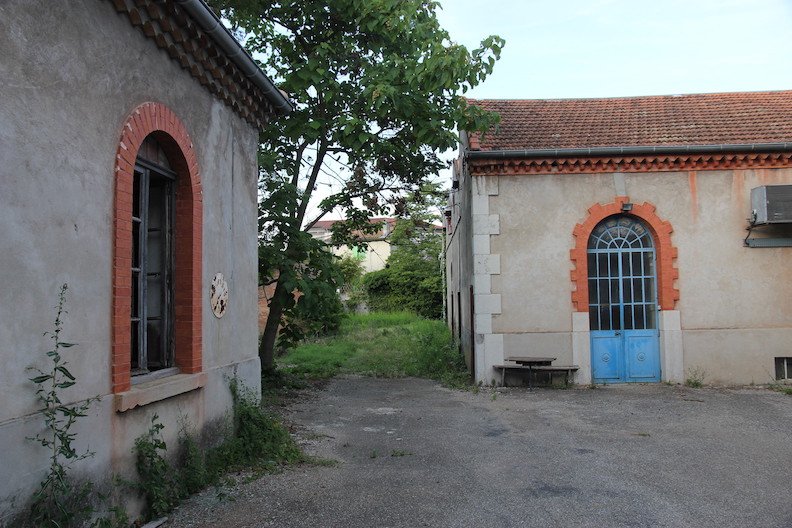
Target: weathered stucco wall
point(375, 257)
point(735, 306)
point(72, 72)
point(459, 264)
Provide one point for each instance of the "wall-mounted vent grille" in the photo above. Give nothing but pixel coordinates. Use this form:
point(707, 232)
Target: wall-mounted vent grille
point(771, 204)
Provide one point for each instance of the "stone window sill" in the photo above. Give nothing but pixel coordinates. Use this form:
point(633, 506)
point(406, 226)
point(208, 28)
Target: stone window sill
point(158, 390)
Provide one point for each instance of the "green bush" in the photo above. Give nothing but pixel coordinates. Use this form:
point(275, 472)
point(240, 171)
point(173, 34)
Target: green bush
point(413, 278)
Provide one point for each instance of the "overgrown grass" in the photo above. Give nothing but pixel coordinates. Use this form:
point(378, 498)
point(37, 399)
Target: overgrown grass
point(392, 344)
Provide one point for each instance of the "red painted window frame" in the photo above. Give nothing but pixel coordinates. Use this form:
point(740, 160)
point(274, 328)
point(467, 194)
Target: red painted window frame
point(157, 119)
point(666, 253)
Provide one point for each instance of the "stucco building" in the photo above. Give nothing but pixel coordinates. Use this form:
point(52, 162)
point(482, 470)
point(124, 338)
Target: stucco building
point(374, 248)
point(129, 136)
point(611, 234)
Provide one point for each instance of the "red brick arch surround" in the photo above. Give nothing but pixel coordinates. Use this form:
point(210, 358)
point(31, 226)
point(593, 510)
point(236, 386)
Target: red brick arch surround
point(661, 232)
point(157, 119)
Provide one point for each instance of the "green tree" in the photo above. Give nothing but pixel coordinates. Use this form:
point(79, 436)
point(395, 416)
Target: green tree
point(377, 87)
point(307, 275)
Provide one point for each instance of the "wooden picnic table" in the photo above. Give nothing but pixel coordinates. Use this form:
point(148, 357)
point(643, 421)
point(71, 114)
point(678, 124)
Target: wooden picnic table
point(532, 364)
point(531, 361)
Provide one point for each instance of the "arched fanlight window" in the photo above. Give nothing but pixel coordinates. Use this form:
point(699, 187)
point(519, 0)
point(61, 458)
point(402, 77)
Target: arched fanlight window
point(622, 278)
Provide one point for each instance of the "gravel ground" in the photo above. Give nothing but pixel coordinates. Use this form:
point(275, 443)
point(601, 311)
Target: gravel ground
point(411, 453)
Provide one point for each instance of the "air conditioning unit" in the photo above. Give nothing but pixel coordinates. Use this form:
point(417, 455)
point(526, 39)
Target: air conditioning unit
point(771, 204)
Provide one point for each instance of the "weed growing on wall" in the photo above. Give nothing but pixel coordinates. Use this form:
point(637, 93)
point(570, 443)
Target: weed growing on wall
point(59, 501)
point(255, 439)
point(158, 484)
point(695, 377)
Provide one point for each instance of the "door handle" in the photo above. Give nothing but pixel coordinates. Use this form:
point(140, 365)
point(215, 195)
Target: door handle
point(618, 333)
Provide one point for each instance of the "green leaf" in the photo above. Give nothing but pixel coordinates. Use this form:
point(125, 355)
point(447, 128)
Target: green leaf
point(64, 371)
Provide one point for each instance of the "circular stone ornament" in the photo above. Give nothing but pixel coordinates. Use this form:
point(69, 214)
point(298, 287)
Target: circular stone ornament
point(218, 295)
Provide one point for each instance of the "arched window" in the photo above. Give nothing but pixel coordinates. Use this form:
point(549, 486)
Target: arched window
point(660, 230)
point(152, 260)
point(157, 262)
point(621, 269)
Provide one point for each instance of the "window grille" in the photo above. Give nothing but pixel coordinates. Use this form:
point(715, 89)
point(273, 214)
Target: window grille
point(621, 270)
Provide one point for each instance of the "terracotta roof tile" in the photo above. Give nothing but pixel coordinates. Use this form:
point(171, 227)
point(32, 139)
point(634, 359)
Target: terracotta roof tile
point(673, 120)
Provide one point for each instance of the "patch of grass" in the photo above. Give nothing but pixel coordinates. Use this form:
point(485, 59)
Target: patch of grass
point(381, 345)
point(783, 389)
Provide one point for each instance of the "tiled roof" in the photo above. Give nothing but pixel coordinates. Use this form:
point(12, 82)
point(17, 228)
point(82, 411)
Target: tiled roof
point(173, 30)
point(674, 120)
point(328, 224)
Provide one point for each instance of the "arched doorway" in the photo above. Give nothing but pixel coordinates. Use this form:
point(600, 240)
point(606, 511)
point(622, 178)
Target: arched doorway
point(622, 287)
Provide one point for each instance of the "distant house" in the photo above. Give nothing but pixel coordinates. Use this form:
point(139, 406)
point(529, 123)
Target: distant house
point(128, 134)
point(374, 248)
point(613, 234)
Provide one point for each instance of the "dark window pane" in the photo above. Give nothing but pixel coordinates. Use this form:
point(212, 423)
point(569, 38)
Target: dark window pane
point(638, 290)
point(135, 345)
point(627, 291)
point(154, 345)
point(649, 291)
point(625, 265)
point(779, 368)
point(636, 262)
point(594, 322)
point(602, 264)
point(604, 296)
point(648, 267)
point(615, 318)
point(613, 264)
point(651, 316)
point(614, 291)
point(605, 318)
point(639, 313)
point(627, 310)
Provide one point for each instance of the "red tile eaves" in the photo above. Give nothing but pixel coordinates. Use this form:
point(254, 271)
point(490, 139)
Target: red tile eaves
point(674, 120)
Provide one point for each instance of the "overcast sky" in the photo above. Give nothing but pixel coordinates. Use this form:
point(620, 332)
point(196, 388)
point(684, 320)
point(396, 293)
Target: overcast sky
point(613, 48)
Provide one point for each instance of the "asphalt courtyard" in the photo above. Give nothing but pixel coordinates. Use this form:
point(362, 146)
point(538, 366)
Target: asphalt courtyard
point(411, 453)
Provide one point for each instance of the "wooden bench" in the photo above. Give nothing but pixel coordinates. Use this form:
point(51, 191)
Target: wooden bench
point(568, 370)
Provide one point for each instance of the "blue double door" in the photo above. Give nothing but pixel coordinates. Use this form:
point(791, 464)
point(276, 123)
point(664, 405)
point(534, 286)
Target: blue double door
point(625, 342)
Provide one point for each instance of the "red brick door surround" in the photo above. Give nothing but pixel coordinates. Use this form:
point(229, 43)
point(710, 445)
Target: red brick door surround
point(158, 120)
point(661, 231)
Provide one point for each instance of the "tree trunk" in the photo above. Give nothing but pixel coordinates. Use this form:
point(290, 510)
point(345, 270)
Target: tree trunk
point(270, 335)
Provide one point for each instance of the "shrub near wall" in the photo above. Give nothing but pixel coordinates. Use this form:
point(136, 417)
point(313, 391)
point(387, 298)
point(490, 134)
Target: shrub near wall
point(413, 278)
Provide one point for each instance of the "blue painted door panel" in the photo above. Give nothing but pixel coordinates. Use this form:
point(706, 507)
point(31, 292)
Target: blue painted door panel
point(606, 357)
point(625, 344)
point(642, 355)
